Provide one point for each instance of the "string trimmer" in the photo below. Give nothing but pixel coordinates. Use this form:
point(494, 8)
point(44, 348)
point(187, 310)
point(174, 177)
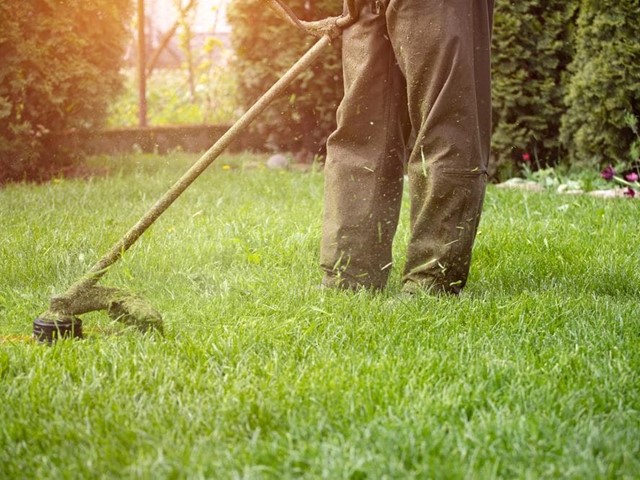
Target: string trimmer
point(85, 295)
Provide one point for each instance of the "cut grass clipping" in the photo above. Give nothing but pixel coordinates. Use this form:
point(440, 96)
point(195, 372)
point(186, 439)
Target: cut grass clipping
point(531, 373)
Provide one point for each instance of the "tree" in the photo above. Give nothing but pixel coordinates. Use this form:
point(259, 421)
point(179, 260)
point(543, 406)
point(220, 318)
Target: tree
point(60, 68)
point(531, 50)
point(604, 89)
point(266, 47)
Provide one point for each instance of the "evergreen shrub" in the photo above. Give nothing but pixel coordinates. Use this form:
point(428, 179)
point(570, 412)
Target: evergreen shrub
point(603, 95)
point(265, 47)
point(531, 50)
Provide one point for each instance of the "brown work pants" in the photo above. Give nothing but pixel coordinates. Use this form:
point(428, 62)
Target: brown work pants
point(417, 93)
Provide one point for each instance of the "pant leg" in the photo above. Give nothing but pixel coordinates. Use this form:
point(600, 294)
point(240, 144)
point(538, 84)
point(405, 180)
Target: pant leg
point(443, 49)
point(365, 160)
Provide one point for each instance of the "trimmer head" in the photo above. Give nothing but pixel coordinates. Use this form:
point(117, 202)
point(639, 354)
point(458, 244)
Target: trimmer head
point(60, 320)
point(50, 327)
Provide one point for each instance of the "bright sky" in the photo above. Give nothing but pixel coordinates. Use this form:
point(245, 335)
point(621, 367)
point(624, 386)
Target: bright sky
point(163, 13)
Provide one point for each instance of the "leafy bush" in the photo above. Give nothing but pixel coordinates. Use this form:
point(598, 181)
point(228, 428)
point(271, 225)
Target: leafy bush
point(265, 48)
point(60, 64)
point(531, 51)
point(604, 88)
point(169, 101)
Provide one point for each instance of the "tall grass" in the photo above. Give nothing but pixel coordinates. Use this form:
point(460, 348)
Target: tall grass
point(532, 373)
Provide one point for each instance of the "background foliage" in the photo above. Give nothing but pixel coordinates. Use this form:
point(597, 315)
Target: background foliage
point(169, 101)
point(544, 73)
point(566, 81)
point(264, 53)
point(59, 70)
point(603, 92)
point(531, 50)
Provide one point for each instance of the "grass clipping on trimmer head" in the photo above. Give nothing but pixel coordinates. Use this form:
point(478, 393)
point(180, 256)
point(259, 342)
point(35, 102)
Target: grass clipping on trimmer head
point(126, 307)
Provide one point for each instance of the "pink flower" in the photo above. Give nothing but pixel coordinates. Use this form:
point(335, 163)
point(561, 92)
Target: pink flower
point(526, 157)
point(608, 173)
point(630, 192)
point(632, 177)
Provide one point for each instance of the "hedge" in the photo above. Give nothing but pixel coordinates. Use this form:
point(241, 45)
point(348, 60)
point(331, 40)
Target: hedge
point(603, 91)
point(59, 70)
point(531, 51)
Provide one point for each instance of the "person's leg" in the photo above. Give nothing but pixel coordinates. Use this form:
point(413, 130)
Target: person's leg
point(365, 156)
point(443, 49)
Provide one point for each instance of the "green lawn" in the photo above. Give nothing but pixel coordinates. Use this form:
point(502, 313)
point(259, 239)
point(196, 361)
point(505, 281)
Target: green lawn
point(533, 373)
